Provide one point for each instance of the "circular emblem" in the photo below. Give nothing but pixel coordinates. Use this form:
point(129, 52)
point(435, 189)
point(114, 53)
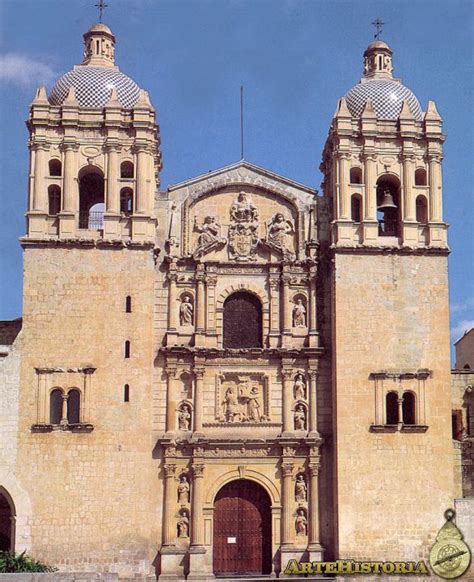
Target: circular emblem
point(450, 556)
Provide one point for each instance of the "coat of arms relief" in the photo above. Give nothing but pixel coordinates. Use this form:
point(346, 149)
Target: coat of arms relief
point(243, 233)
point(242, 398)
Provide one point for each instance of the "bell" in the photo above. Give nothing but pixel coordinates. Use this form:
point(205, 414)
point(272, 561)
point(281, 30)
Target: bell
point(387, 201)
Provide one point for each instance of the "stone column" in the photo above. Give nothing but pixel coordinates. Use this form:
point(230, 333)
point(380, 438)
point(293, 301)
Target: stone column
point(200, 300)
point(172, 298)
point(314, 547)
point(112, 203)
point(39, 184)
point(287, 374)
point(211, 281)
point(312, 316)
point(344, 194)
point(169, 493)
point(400, 410)
point(287, 503)
point(171, 373)
point(409, 210)
point(287, 312)
point(141, 182)
point(70, 192)
point(198, 397)
point(370, 209)
point(313, 401)
point(197, 521)
point(436, 209)
point(64, 420)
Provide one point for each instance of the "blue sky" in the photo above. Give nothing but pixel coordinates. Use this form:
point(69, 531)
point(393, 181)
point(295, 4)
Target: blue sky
point(295, 59)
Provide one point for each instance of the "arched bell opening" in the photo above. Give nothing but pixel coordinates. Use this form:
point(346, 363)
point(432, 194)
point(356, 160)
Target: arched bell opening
point(91, 198)
point(388, 205)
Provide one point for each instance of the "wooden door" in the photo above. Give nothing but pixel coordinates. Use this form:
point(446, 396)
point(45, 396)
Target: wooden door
point(242, 321)
point(242, 529)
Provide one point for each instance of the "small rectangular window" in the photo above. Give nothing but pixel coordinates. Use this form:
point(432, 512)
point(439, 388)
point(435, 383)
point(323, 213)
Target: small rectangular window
point(126, 393)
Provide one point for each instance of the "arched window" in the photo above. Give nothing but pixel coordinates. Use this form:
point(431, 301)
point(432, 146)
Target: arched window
point(126, 170)
point(54, 200)
point(356, 208)
point(126, 393)
point(242, 321)
point(355, 176)
point(56, 406)
point(421, 210)
point(127, 349)
point(391, 407)
point(126, 201)
point(73, 406)
point(420, 177)
point(388, 206)
point(7, 522)
point(55, 168)
point(408, 408)
point(128, 304)
point(91, 198)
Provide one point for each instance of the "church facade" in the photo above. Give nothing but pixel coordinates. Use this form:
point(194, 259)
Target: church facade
point(237, 371)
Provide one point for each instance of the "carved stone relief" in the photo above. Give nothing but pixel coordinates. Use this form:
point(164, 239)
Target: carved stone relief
point(242, 398)
point(209, 238)
point(243, 229)
point(279, 236)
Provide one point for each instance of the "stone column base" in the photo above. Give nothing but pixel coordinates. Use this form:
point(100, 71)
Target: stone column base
point(200, 566)
point(315, 552)
point(172, 563)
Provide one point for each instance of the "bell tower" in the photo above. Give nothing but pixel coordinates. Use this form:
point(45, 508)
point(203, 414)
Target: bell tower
point(387, 292)
point(94, 153)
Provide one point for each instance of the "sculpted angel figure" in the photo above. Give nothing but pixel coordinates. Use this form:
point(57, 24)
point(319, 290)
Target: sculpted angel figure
point(300, 418)
point(186, 311)
point(299, 314)
point(301, 523)
point(183, 490)
point(278, 230)
point(300, 489)
point(210, 236)
point(299, 387)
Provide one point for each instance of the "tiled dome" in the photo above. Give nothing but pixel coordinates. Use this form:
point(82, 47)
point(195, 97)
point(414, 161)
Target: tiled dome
point(93, 86)
point(387, 98)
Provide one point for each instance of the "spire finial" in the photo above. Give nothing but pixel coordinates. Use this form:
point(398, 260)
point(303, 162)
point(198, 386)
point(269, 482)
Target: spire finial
point(378, 27)
point(101, 5)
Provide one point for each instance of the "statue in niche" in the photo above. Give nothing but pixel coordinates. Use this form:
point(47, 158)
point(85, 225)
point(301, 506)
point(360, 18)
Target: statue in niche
point(210, 237)
point(300, 417)
point(184, 417)
point(183, 524)
point(301, 523)
point(299, 314)
point(183, 490)
point(300, 489)
point(243, 236)
point(279, 231)
point(299, 387)
point(186, 310)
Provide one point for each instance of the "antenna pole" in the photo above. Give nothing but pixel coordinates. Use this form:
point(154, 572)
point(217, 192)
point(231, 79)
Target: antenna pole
point(241, 122)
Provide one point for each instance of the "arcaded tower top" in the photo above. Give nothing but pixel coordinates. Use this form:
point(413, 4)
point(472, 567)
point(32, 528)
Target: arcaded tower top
point(94, 79)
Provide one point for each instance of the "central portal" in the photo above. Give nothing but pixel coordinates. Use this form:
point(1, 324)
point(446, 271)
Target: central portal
point(242, 529)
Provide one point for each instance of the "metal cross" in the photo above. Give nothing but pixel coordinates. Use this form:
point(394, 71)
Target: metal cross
point(101, 5)
point(378, 27)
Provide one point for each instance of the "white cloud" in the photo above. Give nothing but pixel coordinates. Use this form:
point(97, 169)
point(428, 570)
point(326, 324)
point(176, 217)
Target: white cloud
point(23, 71)
point(458, 330)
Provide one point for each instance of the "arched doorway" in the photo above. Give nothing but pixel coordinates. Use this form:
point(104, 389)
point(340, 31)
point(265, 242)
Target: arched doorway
point(7, 522)
point(242, 321)
point(242, 541)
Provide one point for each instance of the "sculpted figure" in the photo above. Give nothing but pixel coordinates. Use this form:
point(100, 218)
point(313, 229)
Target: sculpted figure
point(210, 236)
point(184, 418)
point(186, 310)
point(183, 524)
point(243, 237)
point(253, 405)
point(232, 406)
point(301, 523)
point(300, 417)
point(183, 490)
point(300, 489)
point(299, 314)
point(299, 387)
point(243, 209)
point(278, 230)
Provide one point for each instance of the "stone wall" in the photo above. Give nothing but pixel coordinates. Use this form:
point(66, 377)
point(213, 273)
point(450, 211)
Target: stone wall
point(95, 495)
point(391, 313)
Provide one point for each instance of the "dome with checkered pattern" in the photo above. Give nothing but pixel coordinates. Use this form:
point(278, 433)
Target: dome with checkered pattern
point(93, 87)
point(387, 99)
point(386, 93)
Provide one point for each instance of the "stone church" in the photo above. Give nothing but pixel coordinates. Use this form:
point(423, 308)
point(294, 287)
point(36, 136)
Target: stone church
point(218, 377)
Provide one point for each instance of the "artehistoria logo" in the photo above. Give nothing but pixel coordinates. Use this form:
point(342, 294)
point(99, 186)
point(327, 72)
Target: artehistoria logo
point(450, 556)
point(349, 567)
